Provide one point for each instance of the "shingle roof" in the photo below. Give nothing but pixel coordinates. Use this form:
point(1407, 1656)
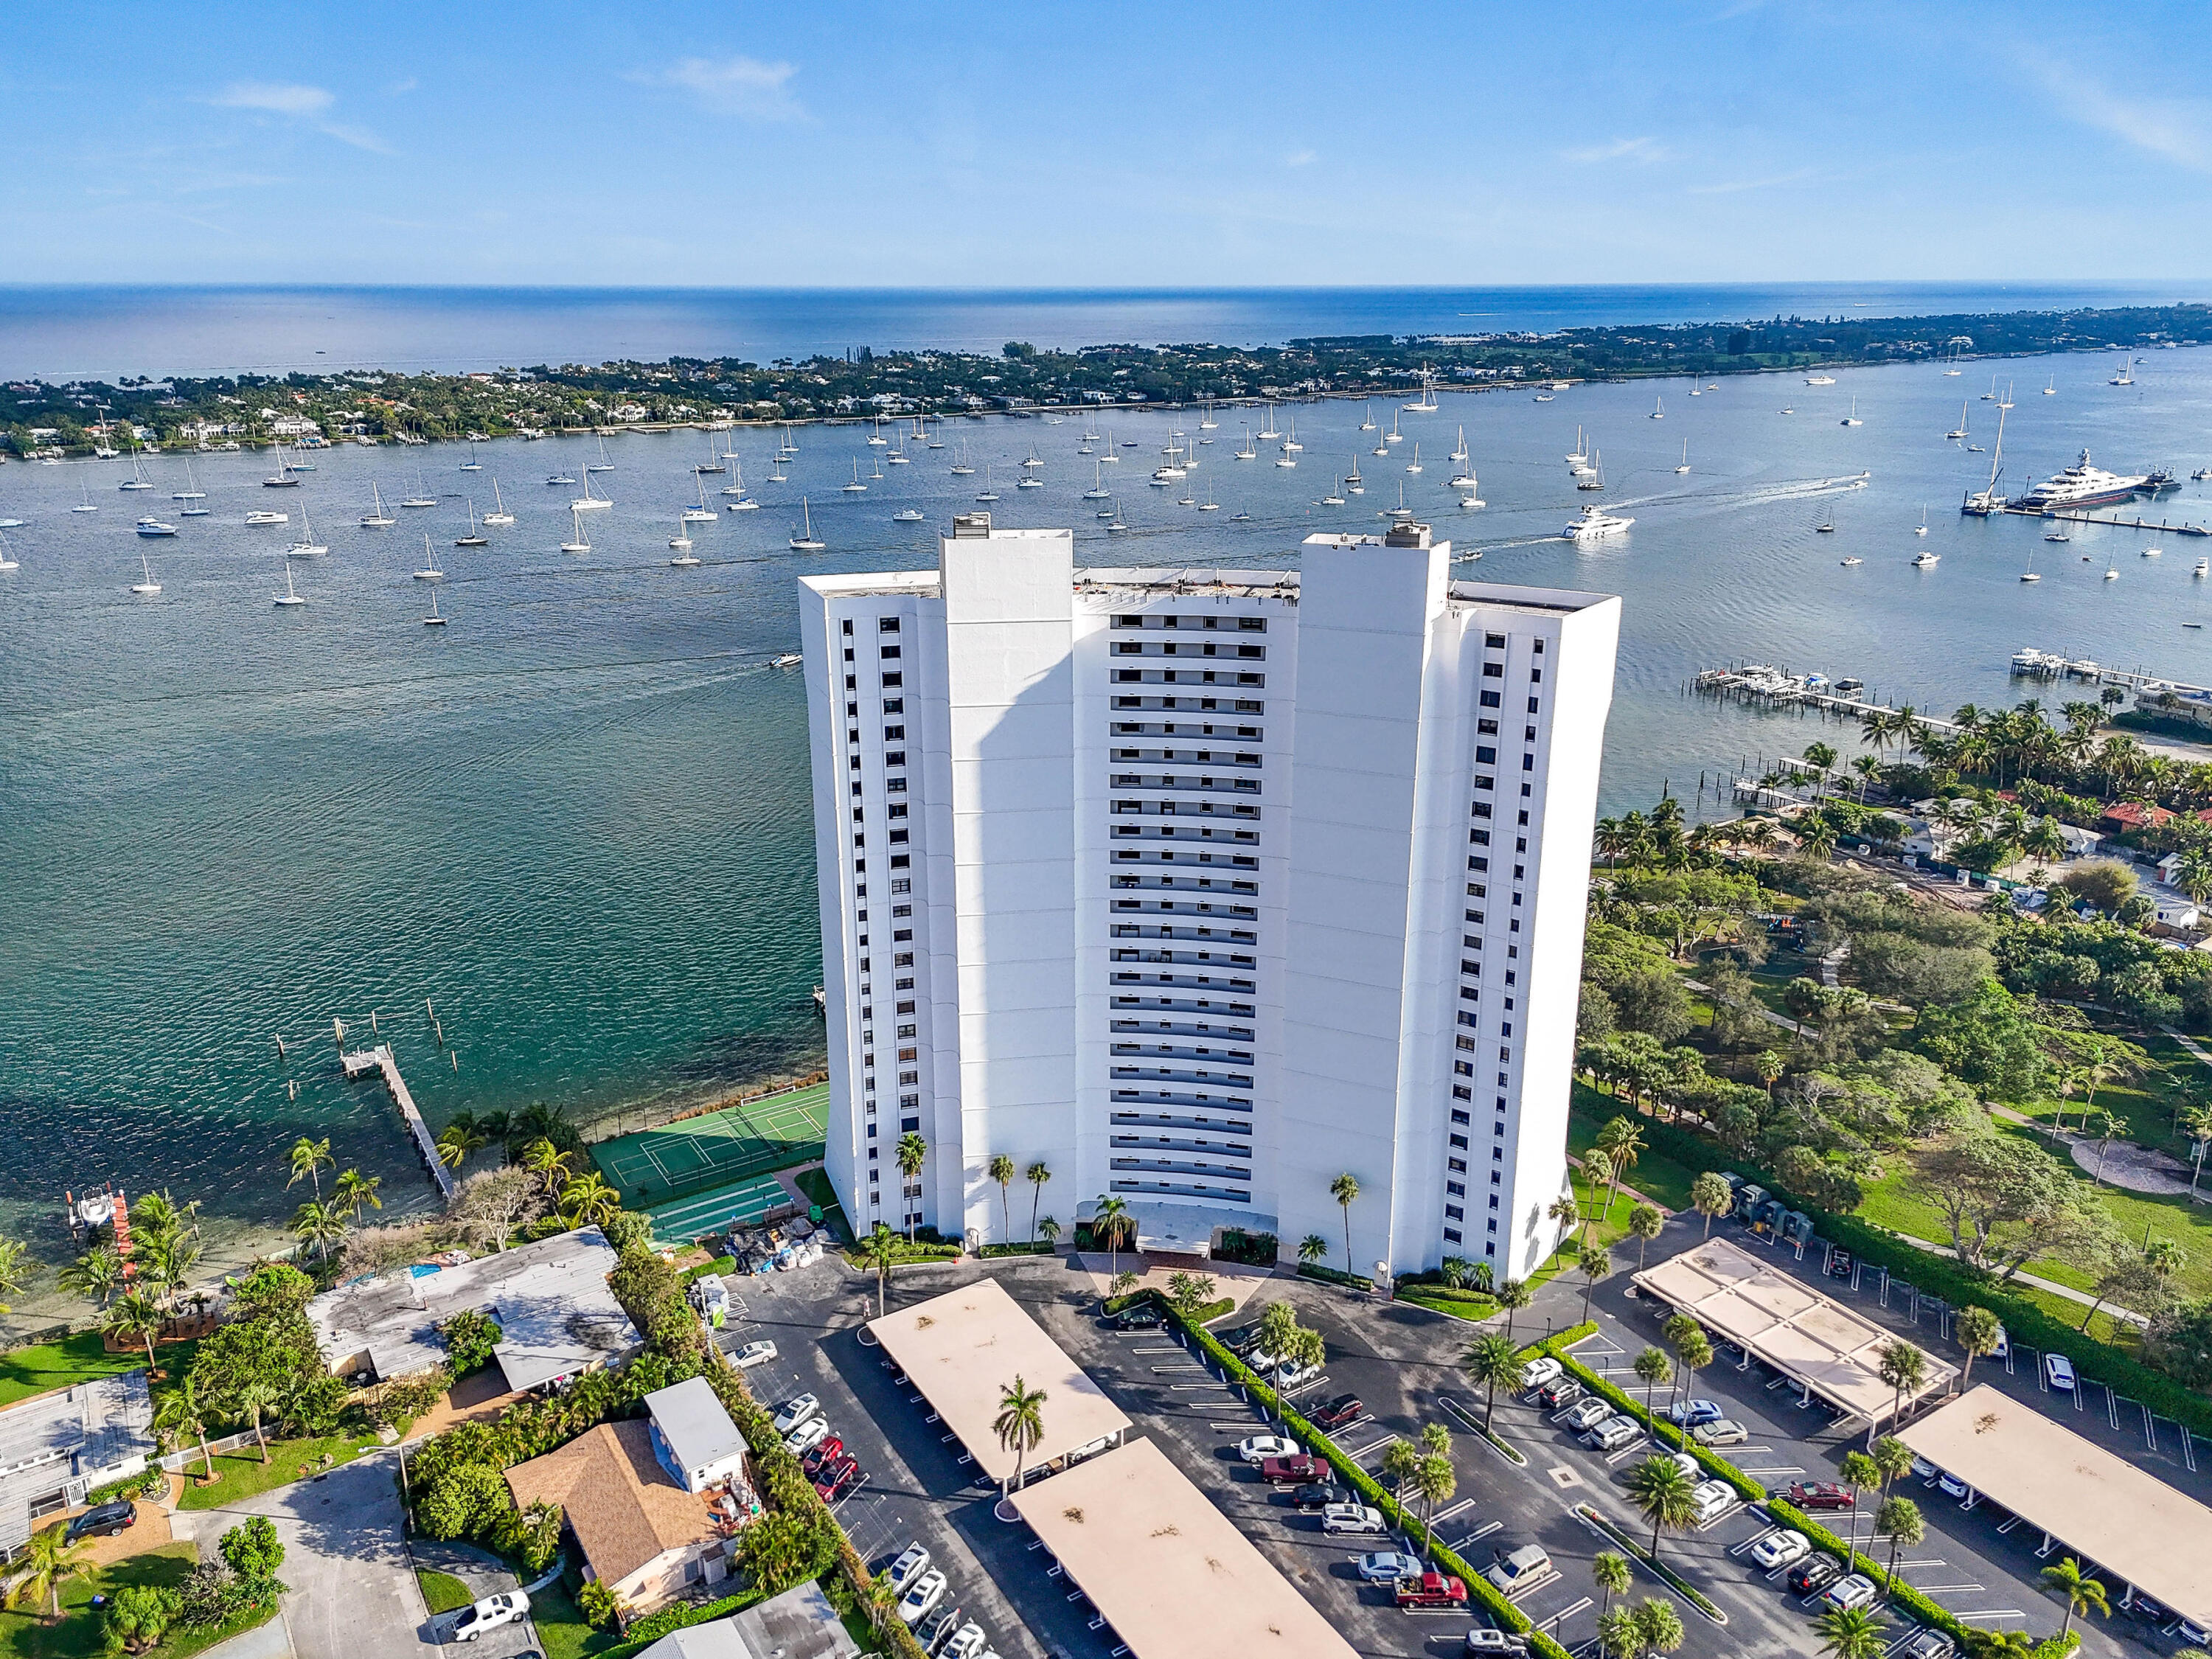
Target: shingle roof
point(621, 1504)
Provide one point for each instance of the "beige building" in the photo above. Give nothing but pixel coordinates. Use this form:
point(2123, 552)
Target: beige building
point(640, 1532)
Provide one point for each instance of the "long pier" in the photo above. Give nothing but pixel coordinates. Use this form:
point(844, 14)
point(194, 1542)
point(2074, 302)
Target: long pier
point(1758, 683)
point(2031, 664)
point(2162, 527)
point(379, 1059)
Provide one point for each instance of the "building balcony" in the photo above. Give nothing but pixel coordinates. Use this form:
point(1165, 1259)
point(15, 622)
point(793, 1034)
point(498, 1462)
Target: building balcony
point(1134, 1144)
point(1194, 1122)
point(1165, 1028)
point(1155, 1099)
point(1191, 931)
point(1183, 1189)
point(1192, 1075)
point(1170, 1166)
point(1188, 980)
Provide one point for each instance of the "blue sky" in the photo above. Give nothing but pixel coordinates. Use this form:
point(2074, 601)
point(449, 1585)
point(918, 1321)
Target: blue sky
point(1177, 145)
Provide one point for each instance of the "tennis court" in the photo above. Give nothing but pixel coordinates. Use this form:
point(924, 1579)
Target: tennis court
point(720, 1149)
point(725, 1207)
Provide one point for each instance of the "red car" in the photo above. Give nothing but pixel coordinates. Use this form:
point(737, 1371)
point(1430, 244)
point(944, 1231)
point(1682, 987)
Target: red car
point(837, 1478)
point(1344, 1409)
point(822, 1456)
point(1820, 1495)
point(1290, 1471)
point(1431, 1589)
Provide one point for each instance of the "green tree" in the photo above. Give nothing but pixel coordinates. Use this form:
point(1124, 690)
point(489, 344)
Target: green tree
point(252, 1550)
point(1001, 1169)
point(457, 1141)
point(1653, 1368)
point(1433, 1483)
point(179, 1411)
point(880, 1252)
point(1491, 1360)
point(1905, 1368)
point(1658, 1626)
point(601, 1608)
point(1711, 1196)
point(253, 1395)
point(587, 1200)
point(135, 1315)
point(1858, 1472)
point(1596, 1262)
point(1899, 1520)
point(1849, 1633)
point(2082, 1594)
point(1512, 1295)
point(1665, 1495)
point(1609, 1572)
point(1344, 1189)
point(309, 1159)
point(548, 1163)
point(1568, 1213)
point(1049, 1230)
point(96, 1275)
point(1976, 1329)
point(1617, 1633)
point(46, 1563)
point(1597, 1170)
point(1037, 1174)
point(320, 1225)
point(911, 1153)
point(353, 1192)
point(1645, 1223)
point(1110, 1219)
point(469, 1336)
point(16, 1267)
point(1019, 1425)
point(1399, 1460)
point(1189, 1294)
point(138, 1616)
point(1621, 1140)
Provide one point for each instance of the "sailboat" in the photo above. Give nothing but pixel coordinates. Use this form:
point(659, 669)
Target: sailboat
point(1393, 437)
point(1368, 424)
point(1959, 430)
point(1459, 452)
point(2029, 575)
point(961, 469)
point(7, 564)
point(1464, 478)
point(1852, 419)
point(578, 541)
point(475, 538)
point(1032, 461)
point(805, 541)
point(1596, 478)
point(472, 465)
point(713, 462)
point(1209, 505)
point(602, 464)
point(2051, 391)
point(503, 516)
point(191, 491)
point(1291, 443)
point(1658, 409)
point(1580, 455)
point(681, 541)
point(290, 595)
point(430, 572)
point(587, 502)
point(897, 456)
point(1685, 466)
point(876, 436)
point(2005, 402)
point(1828, 525)
point(988, 493)
point(282, 478)
point(149, 585)
point(376, 517)
point(1097, 492)
point(422, 497)
point(740, 502)
point(1249, 452)
point(137, 478)
point(2124, 376)
point(786, 448)
point(1286, 460)
point(434, 620)
point(1267, 433)
point(1923, 520)
point(702, 513)
point(306, 547)
point(2111, 567)
point(1401, 511)
point(1208, 423)
point(85, 505)
point(1415, 465)
point(1354, 483)
point(1985, 501)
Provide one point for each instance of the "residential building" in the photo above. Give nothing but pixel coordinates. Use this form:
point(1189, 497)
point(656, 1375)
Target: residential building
point(1203, 887)
point(693, 1437)
point(55, 1448)
point(800, 1624)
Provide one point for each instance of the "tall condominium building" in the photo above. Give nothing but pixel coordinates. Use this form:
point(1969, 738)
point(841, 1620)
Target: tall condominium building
point(1204, 888)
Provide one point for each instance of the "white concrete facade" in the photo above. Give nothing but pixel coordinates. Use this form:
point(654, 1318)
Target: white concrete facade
point(1202, 888)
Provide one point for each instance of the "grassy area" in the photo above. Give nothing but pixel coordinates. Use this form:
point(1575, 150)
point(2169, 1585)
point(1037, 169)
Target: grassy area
point(241, 1474)
point(77, 1359)
point(442, 1592)
point(1659, 1176)
point(78, 1635)
point(562, 1632)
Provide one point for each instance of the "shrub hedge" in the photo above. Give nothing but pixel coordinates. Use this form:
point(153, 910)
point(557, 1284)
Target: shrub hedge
point(1037, 1247)
point(720, 1264)
point(1334, 1276)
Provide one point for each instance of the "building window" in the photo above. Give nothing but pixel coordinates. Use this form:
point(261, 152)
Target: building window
point(1451, 1236)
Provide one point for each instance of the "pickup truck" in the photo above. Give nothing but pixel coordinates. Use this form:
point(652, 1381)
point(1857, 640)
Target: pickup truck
point(1290, 1471)
point(1431, 1589)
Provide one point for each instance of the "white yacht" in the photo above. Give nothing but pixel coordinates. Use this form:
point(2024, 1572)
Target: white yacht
point(1685, 466)
point(290, 596)
point(2123, 376)
point(501, 516)
point(150, 526)
point(681, 541)
point(260, 516)
point(587, 502)
point(376, 517)
point(702, 513)
point(476, 537)
point(1594, 524)
point(191, 491)
point(1926, 561)
point(1415, 465)
point(807, 541)
point(2083, 485)
point(1819, 379)
point(906, 516)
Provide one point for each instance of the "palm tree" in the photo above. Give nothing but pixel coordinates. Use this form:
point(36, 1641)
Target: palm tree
point(912, 1152)
point(1645, 1223)
point(1111, 1220)
point(1893, 1458)
point(97, 1274)
point(879, 1250)
point(309, 1159)
point(1658, 1487)
point(549, 1165)
point(1489, 1360)
point(1568, 1213)
point(1858, 1472)
point(1433, 1483)
point(2082, 1594)
point(1344, 1189)
point(137, 1316)
point(1849, 1633)
point(1512, 1295)
point(1609, 1572)
point(457, 1141)
point(254, 1396)
point(1020, 1422)
point(181, 1410)
point(1617, 1634)
point(1622, 1142)
point(1976, 1329)
point(320, 1225)
point(1596, 1262)
point(1997, 1643)
point(1597, 1170)
point(48, 1562)
point(587, 1200)
point(1049, 1230)
point(1694, 1353)
point(1653, 1367)
point(353, 1190)
point(1312, 1248)
point(1900, 1518)
point(1905, 1368)
point(1712, 1196)
point(1658, 1626)
point(1399, 1462)
point(1037, 1174)
point(1000, 1169)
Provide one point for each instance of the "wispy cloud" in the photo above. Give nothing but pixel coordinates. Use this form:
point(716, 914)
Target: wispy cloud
point(1620, 149)
point(1300, 158)
point(2180, 130)
point(739, 86)
point(300, 103)
point(1730, 187)
point(399, 87)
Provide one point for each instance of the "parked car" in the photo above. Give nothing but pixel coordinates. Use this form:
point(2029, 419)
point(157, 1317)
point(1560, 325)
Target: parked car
point(1485, 1643)
point(1951, 1486)
point(1688, 1464)
point(1855, 1591)
point(912, 1561)
point(1431, 1589)
point(752, 1354)
point(1142, 1318)
point(1840, 1264)
point(1290, 1471)
point(937, 1627)
point(965, 1642)
point(1263, 1362)
point(1355, 1518)
point(1780, 1549)
point(1261, 1447)
point(796, 1411)
point(1241, 1340)
point(1295, 1376)
point(1306, 1500)
point(1817, 1573)
point(1722, 1433)
point(806, 1437)
point(2003, 1349)
point(822, 1456)
point(925, 1593)
point(1560, 1391)
point(1612, 1434)
point(1345, 1408)
point(1925, 1470)
point(1688, 1413)
point(2058, 1371)
point(837, 1479)
point(1926, 1645)
point(1516, 1571)
point(488, 1614)
point(1820, 1495)
point(1541, 1371)
point(2193, 1633)
point(102, 1521)
point(1587, 1413)
point(1709, 1499)
point(1388, 1566)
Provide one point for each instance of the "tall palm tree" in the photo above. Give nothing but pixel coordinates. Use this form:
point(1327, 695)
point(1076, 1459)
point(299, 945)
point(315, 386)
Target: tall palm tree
point(1617, 1635)
point(309, 1159)
point(2082, 1594)
point(353, 1192)
point(1658, 1626)
point(1849, 1633)
point(1712, 1196)
point(1899, 1518)
point(457, 1141)
point(318, 1225)
point(1609, 1572)
point(1434, 1483)
point(135, 1315)
point(254, 1396)
point(1001, 1169)
point(1976, 1330)
point(1399, 1460)
point(1621, 1140)
point(1905, 1368)
point(879, 1252)
point(587, 1200)
point(1491, 1360)
point(911, 1152)
point(1597, 1170)
point(182, 1412)
point(1344, 1189)
point(1037, 1174)
point(1596, 1262)
point(1020, 1422)
point(1645, 1223)
point(97, 1274)
point(1110, 1219)
point(1653, 1367)
point(48, 1562)
point(1512, 1295)
point(1658, 1487)
point(547, 1163)
point(1568, 1213)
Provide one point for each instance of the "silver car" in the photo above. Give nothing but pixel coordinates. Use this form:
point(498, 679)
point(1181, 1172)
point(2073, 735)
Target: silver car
point(1614, 1433)
point(1587, 1415)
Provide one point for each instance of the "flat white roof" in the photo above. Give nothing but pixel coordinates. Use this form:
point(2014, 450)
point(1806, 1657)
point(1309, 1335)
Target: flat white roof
point(1169, 1572)
point(1831, 1349)
point(2097, 1504)
point(964, 1347)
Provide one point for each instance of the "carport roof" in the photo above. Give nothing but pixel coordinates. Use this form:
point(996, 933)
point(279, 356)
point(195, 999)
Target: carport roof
point(964, 1347)
point(1782, 1320)
point(1168, 1570)
point(2129, 1523)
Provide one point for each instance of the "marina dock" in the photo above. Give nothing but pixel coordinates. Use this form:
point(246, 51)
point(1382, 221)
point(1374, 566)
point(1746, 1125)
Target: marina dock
point(362, 1061)
point(2031, 664)
point(2114, 519)
point(1768, 687)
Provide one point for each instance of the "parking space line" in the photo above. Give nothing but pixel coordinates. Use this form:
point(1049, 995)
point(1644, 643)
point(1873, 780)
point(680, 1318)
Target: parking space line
point(1161, 1371)
point(1991, 1612)
point(1197, 1388)
point(1369, 1450)
point(1946, 1590)
point(2005, 1527)
point(1481, 1532)
point(1460, 1508)
point(2188, 1455)
point(2151, 1425)
point(1165, 1347)
point(1231, 1428)
point(2113, 1408)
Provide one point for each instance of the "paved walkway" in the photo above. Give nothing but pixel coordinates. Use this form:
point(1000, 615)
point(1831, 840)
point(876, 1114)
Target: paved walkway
point(270, 1641)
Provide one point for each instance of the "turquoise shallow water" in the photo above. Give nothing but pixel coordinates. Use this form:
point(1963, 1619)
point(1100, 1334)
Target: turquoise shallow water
point(577, 819)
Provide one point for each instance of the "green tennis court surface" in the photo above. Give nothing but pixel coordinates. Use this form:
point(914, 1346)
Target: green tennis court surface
point(697, 1155)
point(688, 1219)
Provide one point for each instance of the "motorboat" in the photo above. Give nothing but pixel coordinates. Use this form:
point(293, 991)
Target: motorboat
point(1594, 524)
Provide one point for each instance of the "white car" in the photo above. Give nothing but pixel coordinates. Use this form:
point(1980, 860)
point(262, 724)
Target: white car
point(1541, 1371)
point(1613, 1434)
point(752, 1354)
point(1352, 1518)
point(2003, 1349)
point(965, 1642)
point(1855, 1591)
point(1586, 1413)
point(2058, 1372)
point(912, 1560)
point(2194, 1635)
point(795, 1412)
point(1925, 1470)
point(1687, 1464)
point(488, 1614)
point(1263, 1362)
point(925, 1593)
point(1950, 1486)
point(806, 1437)
point(1709, 1499)
point(1261, 1447)
point(1388, 1566)
point(1782, 1549)
point(1291, 1377)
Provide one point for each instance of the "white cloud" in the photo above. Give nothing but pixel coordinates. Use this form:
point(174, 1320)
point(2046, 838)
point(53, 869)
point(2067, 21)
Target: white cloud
point(278, 98)
point(1733, 185)
point(2178, 129)
point(399, 87)
point(1620, 149)
point(740, 86)
point(1300, 158)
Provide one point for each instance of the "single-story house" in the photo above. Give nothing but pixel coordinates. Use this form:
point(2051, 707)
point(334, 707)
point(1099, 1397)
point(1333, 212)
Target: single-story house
point(800, 1624)
point(550, 1300)
point(2124, 816)
point(2080, 842)
point(55, 1448)
point(693, 1436)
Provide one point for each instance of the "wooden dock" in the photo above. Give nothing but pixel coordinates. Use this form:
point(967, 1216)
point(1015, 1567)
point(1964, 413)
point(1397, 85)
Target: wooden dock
point(379, 1059)
point(1758, 684)
point(2162, 527)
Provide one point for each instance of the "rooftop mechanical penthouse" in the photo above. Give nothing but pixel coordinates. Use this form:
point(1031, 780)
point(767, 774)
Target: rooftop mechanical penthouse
point(1202, 887)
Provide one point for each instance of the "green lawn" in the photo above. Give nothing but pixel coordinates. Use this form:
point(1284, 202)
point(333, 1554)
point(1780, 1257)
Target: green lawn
point(442, 1592)
point(562, 1632)
point(76, 1358)
point(1664, 1180)
point(78, 1636)
point(241, 1474)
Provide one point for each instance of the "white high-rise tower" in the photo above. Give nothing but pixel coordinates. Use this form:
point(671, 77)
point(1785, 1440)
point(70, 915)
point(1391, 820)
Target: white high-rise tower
point(1202, 888)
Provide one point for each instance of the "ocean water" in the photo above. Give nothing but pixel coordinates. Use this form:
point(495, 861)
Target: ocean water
point(61, 333)
point(576, 819)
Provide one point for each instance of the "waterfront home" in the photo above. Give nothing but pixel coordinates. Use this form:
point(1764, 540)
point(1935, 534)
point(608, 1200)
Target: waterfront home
point(57, 1446)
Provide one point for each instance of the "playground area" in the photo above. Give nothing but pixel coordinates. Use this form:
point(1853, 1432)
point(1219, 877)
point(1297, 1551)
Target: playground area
point(653, 1167)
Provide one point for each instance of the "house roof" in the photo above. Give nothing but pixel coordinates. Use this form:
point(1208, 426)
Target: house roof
point(621, 1504)
point(691, 1420)
point(51, 1439)
point(2136, 814)
point(800, 1624)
